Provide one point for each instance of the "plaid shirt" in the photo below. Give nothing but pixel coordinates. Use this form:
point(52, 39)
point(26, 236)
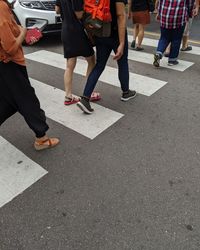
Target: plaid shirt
point(174, 13)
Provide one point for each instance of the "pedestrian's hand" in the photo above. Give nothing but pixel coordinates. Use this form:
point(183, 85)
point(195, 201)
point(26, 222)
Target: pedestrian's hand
point(33, 40)
point(119, 53)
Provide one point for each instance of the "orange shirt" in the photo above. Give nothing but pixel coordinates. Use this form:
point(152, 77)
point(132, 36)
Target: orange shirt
point(9, 31)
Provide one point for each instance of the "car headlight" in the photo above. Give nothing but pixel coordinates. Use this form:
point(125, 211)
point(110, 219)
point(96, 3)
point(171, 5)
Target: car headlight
point(32, 5)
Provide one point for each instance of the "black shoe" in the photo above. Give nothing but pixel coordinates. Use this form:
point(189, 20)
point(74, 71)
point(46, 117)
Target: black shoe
point(172, 63)
point(84, 105)
point(133, 44)
point(126, 96)
point(139, 48)
point(188, 48)
point(156, 62)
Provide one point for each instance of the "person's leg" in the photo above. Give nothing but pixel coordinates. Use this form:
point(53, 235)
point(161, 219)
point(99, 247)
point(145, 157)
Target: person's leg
point(165, 38)
point(95, 96)
point(123, 71)
point(6, 110)
point(185, 45)
point(177, 35)
point(68, 77)
point(103, 50)
point(123, 68)
point(136, 31)
point(167, 51)
point(91, 63)
point(22, 97)
point(135, 35)
point(6, 107)
point(140, 36)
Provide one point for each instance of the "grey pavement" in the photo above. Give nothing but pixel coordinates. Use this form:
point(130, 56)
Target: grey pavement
point(134, 187)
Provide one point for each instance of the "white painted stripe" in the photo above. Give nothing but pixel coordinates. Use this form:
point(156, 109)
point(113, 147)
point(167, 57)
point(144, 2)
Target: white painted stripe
point(52, 99)
point(154, 43)
point(17, 172)
point(142, 84)
point(141, 56)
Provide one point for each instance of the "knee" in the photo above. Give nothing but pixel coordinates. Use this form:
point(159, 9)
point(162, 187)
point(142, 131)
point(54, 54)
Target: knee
point(71, 65)
point(70, 68)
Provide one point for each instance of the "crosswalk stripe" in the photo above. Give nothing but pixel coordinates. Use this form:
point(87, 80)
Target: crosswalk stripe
point(148, 58)
point(153, 43)
point(141, 56)
point(70, 116)
point(17, 172)
point(142, 84)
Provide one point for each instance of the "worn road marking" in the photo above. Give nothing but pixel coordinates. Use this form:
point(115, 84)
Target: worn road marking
point(17, 172)
point(142, 84)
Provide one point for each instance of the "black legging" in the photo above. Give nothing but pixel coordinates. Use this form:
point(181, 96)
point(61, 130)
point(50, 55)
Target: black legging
point(17, 95)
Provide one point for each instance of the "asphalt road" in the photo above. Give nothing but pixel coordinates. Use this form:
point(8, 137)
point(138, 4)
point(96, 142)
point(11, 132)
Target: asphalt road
point(133, 187)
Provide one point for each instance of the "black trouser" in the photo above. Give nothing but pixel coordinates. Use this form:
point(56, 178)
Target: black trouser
point(17, 95)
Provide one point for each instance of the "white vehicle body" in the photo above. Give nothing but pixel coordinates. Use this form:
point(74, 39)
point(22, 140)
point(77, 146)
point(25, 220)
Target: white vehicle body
point(40, 14)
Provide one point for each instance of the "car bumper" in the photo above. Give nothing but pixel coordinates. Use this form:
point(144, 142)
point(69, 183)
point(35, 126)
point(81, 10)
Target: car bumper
point(46, 21)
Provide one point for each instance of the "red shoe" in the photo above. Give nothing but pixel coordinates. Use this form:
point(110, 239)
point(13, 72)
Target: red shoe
point(95, 97)
point(71, 100)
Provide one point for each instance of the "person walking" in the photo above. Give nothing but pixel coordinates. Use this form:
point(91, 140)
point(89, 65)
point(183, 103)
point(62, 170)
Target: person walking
point(139, 12)
point(16, 93)
point(118, 42)
point(75, 43)
point(185, 39)
point(173, 16)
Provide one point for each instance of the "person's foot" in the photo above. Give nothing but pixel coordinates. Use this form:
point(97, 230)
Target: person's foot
point(172, 63)
point(45, 142)
point(84, 105)
point(95, 96)
point(188, 48)
point(139, 48)
point(133, 44)
point(71, 100)
point(156, 62)
point(126, 96)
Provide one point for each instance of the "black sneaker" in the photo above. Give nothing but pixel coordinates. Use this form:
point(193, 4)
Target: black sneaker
point(84, 105)
point(156, 62)
point(188, 48)
point(126, 96)
point(133, 44)
point(172, 63)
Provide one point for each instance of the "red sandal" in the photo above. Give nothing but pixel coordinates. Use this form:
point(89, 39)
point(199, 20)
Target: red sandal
point(95, 97)
point(71, 100)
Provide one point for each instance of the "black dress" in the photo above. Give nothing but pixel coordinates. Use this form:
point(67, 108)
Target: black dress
point(74, 38)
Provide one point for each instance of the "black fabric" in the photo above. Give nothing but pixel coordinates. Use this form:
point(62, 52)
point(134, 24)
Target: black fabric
point(114, 30)
point(17, 95)
point(139, 5)
point(74, 38)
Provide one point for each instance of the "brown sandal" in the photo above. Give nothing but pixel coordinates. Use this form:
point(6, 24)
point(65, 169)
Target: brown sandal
point(46, 143)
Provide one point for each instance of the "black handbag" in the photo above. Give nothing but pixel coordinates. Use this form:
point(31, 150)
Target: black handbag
point(95, 27)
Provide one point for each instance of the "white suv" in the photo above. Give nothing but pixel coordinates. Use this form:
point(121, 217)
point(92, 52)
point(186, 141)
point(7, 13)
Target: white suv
point(40, 14)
